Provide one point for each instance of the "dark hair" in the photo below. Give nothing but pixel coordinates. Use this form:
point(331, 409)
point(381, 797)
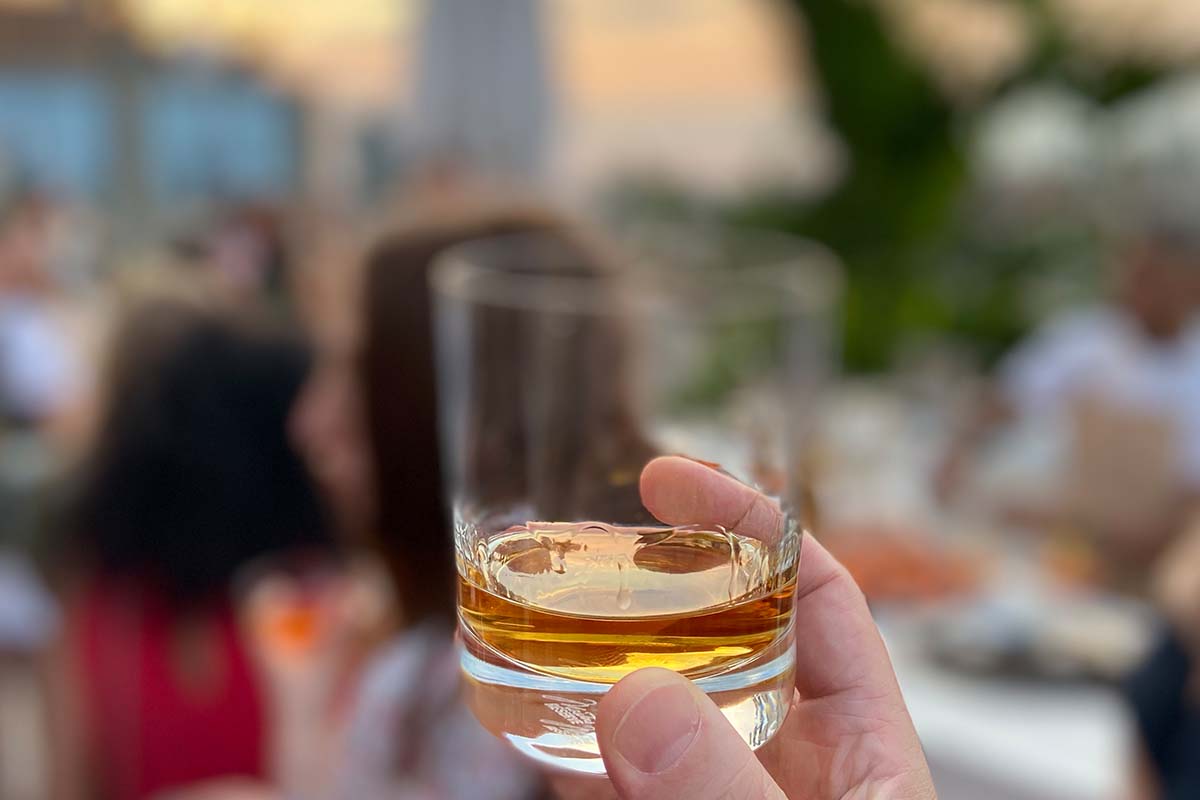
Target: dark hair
point(192, 475)
point(412, 526)
point(399, 387)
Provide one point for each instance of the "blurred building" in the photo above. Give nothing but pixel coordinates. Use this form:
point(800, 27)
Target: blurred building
point(483, 95)
point(708, 94)
point(91, 113)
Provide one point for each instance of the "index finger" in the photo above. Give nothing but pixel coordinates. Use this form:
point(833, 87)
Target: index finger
point(843, 653)
point(680, 491)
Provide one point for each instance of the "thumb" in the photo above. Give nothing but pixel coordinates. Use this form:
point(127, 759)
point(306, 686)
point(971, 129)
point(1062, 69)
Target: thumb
point(662, 737)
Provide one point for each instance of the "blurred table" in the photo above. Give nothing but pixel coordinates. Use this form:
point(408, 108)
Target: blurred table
point(989, 739)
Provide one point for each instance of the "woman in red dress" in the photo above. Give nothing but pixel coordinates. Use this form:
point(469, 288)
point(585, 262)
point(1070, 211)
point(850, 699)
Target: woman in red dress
point(190, 478)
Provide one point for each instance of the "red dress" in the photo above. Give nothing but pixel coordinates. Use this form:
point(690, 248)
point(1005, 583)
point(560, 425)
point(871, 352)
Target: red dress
point(154, 720)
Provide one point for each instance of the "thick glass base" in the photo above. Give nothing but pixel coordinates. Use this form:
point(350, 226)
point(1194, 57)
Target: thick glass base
point(552, 719)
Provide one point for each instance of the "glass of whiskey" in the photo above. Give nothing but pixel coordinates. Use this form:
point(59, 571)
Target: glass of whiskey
point(571, 375)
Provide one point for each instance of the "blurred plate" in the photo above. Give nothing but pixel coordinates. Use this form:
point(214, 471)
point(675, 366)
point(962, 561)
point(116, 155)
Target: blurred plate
point(1058, 638)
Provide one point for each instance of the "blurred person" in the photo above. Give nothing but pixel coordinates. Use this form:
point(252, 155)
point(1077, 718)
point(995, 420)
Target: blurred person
point(39, 377)
point(1124, 380)
point(242, 255)
point(368, 424)
point(1163, 690)
point(368, 421)
point(190, 477)
point(36, 368)
point(249, 255)
point(44, 375)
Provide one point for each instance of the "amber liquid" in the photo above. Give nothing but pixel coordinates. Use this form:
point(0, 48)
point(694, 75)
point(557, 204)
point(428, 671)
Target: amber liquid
point(552, 613)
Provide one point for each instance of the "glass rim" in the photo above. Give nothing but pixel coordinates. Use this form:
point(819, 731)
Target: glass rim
point(800, 277)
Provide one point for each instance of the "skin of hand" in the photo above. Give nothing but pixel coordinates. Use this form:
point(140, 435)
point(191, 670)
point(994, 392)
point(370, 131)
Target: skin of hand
point(848, 735)
point(1175, 586)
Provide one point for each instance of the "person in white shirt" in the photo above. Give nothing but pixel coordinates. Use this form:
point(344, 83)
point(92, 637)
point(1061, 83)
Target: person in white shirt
point(1124, 381)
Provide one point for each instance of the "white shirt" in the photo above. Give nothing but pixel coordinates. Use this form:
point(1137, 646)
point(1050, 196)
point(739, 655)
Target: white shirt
point(37, 370)
point(410, 737)
point(1102, 355)
point(28, 614)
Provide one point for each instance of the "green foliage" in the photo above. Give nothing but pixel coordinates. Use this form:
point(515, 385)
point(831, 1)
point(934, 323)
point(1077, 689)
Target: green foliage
point(906, 172)
point(921, 259)
point(900, 219)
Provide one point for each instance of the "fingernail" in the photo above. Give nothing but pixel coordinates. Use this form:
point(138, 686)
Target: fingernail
point(713, 465)
point(658, 728)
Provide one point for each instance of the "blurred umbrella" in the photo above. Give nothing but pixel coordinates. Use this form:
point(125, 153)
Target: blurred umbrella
point(483, 98)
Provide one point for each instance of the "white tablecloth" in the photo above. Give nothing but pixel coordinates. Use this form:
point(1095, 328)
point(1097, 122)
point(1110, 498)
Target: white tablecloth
point(990, 739)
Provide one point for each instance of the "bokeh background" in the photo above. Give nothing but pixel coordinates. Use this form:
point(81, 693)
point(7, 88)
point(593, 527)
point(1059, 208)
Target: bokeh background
point(980, 168)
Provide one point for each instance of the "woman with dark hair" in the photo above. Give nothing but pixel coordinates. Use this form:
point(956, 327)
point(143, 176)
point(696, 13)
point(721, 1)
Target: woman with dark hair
point(368, 424)
point(190, 477)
